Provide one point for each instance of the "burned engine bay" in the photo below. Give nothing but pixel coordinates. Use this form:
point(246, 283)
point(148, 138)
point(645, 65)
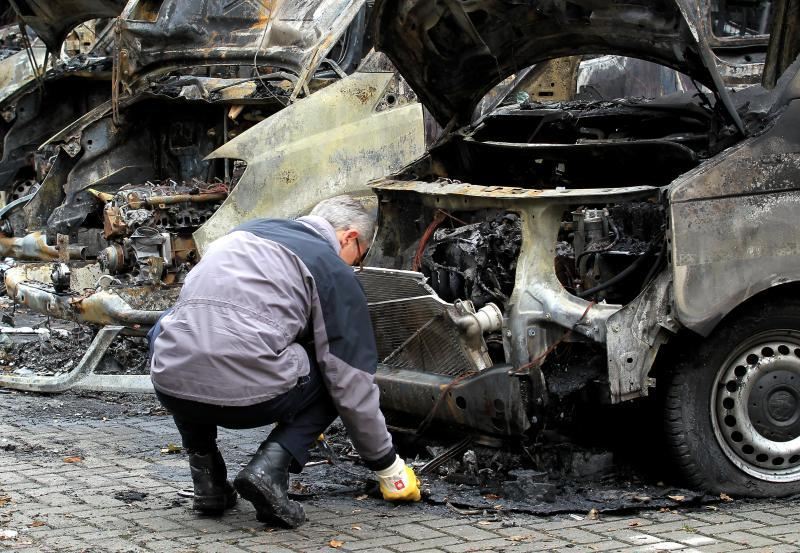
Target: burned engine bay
point(553, 217)
point(602, 253)
point(140, 232)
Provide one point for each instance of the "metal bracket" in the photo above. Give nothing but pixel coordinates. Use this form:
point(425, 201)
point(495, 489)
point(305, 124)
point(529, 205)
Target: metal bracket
point(83, 376)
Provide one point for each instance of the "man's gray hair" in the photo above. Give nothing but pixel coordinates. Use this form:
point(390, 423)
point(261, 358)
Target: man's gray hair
point(346, 212)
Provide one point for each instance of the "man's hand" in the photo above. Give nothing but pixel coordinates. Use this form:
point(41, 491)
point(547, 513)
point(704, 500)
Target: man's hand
point(398, 482)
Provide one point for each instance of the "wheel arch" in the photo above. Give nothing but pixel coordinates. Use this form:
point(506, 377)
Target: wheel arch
point(669, 353)
point(777, 292)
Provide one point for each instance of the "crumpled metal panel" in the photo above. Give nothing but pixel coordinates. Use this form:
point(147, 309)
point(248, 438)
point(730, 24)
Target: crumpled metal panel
point(333, 142)
point(293, 35)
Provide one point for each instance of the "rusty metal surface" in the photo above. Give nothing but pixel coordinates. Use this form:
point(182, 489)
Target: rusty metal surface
point(785, 41)
point(548, 81)
point(294, 35)
point(33, 246)
point(136, 308)
point(154, 201)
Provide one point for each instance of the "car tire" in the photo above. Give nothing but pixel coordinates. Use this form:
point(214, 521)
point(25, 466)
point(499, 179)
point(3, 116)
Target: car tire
point(732, 405)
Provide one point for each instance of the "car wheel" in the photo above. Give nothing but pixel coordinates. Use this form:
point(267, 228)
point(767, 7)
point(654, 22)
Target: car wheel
point(733, 406)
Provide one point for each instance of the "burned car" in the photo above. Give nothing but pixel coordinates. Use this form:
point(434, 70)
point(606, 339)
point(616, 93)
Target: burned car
point(195, 88)
point(590, 249)
point(618, 246)
point(58, 68)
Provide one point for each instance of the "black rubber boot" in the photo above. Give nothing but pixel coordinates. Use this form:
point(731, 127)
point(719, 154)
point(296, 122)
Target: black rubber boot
point(265, 483)
point(212, 491)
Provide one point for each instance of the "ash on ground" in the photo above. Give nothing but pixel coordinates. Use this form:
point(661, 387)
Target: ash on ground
point(32, 344)
point(545, 478)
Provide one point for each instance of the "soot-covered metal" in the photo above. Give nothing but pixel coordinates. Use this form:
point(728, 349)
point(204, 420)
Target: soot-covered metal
point(474, 261)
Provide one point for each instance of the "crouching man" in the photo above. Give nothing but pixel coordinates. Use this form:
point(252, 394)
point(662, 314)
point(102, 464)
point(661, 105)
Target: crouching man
point(272, 326)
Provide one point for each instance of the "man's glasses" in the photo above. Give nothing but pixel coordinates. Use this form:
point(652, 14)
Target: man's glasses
point(360, 255)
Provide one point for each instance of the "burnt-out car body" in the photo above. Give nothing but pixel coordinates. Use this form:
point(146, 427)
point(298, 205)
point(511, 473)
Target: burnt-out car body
point(612, 247)
point(43, 89)
point(211, 107)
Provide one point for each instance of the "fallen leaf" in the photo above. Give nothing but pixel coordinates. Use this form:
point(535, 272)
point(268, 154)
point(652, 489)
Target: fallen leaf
point(362, 497)
point(356, 527)
point(725, 497)
point(36, 523)
point(634, 523)
point(171, 449)
point(593, 514)
point(642, 498)
point(336, 544)
point(677, 498)
point(484, 522)
point(491, 496)
point(665, 510)
point(518, 538)
point(4, 500)
point(498, 507)
point(73, 459)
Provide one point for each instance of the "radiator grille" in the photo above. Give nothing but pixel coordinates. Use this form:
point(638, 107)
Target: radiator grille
point(387, 285)
point(413, 329)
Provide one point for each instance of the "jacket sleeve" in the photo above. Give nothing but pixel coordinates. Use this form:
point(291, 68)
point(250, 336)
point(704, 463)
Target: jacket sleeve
point(345, 347)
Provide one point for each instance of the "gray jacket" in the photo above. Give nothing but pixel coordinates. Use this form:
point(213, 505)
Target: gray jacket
point(232, 337)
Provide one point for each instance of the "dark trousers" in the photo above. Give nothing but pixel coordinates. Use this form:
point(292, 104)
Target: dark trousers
point(302, 414)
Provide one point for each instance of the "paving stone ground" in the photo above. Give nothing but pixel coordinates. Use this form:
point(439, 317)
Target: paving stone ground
point(98, 502)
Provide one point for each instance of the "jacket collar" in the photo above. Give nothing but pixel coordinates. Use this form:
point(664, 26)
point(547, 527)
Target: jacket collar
point(323, 228)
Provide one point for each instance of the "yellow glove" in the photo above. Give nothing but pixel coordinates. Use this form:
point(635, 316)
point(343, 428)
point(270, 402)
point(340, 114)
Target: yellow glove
point(398, 482)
